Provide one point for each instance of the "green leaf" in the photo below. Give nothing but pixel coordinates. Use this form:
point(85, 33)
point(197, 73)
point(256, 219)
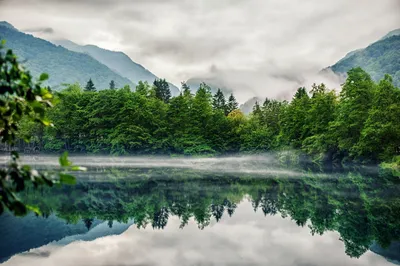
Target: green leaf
point(67, 179)
point(35, 209)
point(44, 76)
point(46, 123)
point(64, 162)
point(78, 168)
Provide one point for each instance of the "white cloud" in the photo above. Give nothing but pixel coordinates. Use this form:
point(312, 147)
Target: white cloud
point(245, 40)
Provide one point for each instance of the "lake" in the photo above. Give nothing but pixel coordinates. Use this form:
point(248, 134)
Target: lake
point(252, 210)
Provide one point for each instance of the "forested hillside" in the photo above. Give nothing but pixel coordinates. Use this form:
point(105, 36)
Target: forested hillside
point(62, 65)
point(361, 123)
point(378, 59)
point(116, 61)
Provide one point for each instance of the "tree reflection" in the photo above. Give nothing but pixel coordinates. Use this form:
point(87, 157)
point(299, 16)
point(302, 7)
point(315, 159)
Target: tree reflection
point(362, 208)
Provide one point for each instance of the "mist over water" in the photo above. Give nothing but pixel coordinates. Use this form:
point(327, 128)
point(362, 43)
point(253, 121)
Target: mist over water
point(266, 164)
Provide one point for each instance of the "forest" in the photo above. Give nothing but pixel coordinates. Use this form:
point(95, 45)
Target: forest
point(361, 123)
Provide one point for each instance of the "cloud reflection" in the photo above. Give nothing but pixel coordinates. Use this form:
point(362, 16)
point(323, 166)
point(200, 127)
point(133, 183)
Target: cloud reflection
point(245, 239)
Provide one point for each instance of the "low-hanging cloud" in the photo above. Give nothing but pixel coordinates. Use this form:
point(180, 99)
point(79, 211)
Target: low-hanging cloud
point(260, 48)
point(45, 30)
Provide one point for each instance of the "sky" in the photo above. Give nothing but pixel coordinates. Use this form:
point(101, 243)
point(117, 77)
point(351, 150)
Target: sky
point(236, 240)
point(257, 47)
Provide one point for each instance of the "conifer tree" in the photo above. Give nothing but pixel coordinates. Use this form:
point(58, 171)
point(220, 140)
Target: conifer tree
point(90, 86)
point(257, 110)
point(219, 102)
point(112, 85)
point(185, 89)
point(232, 104)
point(162, 91)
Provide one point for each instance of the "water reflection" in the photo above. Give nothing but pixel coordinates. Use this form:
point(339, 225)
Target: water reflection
point(244, 219)
point(233, 241)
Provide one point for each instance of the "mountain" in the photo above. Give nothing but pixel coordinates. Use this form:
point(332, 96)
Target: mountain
point(119, 62)
point(391, 33)
point(247, 107)
point(391, 253)
point(379, 58)
point(213, 82)
point(62, 65)
point(7, 25)
point(22, 233)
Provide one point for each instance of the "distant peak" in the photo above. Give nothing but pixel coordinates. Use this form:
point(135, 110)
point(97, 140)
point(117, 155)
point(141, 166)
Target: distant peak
point(395, 32)
point(63, 41)
point(7, 25)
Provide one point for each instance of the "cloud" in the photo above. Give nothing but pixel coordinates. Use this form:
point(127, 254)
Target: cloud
point(45, 30)
point(247, 238)
point(259, 47)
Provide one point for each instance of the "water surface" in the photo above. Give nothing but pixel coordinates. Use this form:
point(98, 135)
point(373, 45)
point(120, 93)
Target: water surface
point(230, 211)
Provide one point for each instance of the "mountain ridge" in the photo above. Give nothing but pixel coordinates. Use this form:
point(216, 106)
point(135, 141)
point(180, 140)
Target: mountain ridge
point(62, 65)
point(378, 58)
point(117, 61)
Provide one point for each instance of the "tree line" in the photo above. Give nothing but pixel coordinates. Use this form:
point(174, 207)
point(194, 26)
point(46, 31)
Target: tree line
point(362, 122)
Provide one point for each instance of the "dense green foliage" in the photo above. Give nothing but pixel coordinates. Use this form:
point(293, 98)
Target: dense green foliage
point(361, 123)
point(62, 65)
point(23, 100)
point(378, 59)
point(362, 207)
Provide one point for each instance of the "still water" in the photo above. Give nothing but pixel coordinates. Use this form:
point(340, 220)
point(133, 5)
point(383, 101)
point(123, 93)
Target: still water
point(230, 211)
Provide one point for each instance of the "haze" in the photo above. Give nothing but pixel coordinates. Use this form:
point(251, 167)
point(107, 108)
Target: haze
point(266, 165)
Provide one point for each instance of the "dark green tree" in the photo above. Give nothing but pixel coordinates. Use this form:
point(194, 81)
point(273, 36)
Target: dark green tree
point(185, 89)
point(90, 86)
point(219, 102)
point(232, 104)
point(380, 136)
point(352, 111)
point(112, 85)
point(88, 222)
point(293, 121)
point(320, 114)
point(257, 110)
point(162, 91)
point(271, 111)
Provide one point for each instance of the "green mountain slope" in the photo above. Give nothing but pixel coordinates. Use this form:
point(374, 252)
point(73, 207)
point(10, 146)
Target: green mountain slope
point(378, 59)
point(62, 65)
point(117, 61)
